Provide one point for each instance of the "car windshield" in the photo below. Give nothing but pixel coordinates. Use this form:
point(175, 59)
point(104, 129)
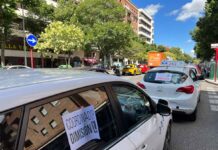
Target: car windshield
point(129, 66)
point(165, 77)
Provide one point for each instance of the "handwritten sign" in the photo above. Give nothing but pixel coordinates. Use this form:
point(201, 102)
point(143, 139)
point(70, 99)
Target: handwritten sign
point(81, 127)
point(163, 76)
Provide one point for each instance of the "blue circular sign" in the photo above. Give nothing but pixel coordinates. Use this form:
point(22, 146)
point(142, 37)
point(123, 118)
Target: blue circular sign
point(31, 40)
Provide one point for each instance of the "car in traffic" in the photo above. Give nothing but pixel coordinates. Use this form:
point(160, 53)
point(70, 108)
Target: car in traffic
point(178, 85)
point(16, 67)
point(131, 69)
point(47, 110)
point(144, 68)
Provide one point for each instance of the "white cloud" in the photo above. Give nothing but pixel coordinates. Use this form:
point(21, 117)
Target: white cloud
point(193, 9)
point(153, 9)
point(189, 41)
point(174, 12)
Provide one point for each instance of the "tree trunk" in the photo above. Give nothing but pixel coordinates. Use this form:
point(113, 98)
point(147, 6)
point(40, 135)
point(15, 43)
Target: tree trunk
point(111, 61)
point(3, 53)
point(105, 60)
point(68, 63)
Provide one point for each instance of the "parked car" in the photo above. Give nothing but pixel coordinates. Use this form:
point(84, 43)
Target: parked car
point(65, 67)
point(178, 85)
point(16, 67)
point(131, 69)
point(144, 68)
point(35, 105)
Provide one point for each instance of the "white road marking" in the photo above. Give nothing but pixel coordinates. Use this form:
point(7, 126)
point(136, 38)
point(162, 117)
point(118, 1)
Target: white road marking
point(213, 98)
point(214, 107)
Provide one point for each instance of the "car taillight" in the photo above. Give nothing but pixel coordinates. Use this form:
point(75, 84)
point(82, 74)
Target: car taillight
point(187, 89)
point(141, 85)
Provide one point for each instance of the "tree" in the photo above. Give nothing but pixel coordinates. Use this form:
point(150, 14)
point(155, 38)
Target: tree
point(65, 11)
point(206, 31)
point(60, 38)
point(7, 16)
point(102, 19)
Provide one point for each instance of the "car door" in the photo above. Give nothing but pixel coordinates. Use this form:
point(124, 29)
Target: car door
point(196, 83)
point(144, 128)
point(44, 128)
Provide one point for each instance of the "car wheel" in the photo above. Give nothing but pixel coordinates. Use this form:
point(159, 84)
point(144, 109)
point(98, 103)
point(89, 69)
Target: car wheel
point(123, 74)
point(193, 116)
point(167, 142)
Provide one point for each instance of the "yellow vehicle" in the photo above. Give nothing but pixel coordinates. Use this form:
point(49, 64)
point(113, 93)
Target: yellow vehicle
point(131, 69)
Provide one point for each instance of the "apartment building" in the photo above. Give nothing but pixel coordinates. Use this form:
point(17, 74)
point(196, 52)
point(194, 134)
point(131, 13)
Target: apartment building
point(145, 26)
point(131, 14)
point(14, 49)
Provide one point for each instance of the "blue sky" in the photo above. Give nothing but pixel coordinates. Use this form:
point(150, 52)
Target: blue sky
point(173, 20)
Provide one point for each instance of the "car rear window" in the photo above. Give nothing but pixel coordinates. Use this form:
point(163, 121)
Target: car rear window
point(9, 127)
point(165, 77)
point(129, 66)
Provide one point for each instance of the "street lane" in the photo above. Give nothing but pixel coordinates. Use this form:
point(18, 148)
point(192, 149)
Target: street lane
point(201, 134)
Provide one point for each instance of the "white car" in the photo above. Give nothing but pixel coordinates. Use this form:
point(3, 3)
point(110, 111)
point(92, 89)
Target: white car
point(16, 67)
point(35, 103)
point(178, 85)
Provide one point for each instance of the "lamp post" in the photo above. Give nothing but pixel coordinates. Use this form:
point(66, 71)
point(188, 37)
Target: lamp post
point(215, 47)
point(24, 36)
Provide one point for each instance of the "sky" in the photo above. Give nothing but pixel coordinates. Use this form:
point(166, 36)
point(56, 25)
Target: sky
point(173, 21)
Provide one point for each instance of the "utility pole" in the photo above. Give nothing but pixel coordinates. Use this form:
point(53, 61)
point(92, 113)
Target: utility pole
point(24, 33)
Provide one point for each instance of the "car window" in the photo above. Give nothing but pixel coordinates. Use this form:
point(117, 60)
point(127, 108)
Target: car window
point(9, 127)
point(134, 104)
point(165, 77)
point(46, 129)
point(193, 75)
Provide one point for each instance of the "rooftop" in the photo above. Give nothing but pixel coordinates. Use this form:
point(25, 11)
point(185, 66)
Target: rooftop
point(22, 86)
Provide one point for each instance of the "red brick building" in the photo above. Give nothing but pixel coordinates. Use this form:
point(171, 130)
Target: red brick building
point(131, 14)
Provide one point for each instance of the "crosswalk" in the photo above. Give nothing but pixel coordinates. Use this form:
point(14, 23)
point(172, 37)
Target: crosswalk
point(213, 98)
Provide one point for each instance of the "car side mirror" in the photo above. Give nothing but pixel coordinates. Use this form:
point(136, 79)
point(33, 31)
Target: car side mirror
point(163, 109)
point(162, 101)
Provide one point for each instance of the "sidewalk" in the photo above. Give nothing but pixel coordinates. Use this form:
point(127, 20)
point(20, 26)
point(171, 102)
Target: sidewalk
point(212, 81)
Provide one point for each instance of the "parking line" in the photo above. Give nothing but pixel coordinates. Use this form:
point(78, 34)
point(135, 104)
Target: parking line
point(213, 101)
point(211, 93)
point(213, 96)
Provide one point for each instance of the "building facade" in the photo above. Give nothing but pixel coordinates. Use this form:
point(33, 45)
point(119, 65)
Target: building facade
point(131, 14)
point(14, 48)
point(145, 26)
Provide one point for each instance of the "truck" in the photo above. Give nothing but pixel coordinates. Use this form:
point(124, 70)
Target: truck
point(155, 58)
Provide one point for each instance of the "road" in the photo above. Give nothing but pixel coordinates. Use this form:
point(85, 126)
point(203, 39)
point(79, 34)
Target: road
point(201, 134)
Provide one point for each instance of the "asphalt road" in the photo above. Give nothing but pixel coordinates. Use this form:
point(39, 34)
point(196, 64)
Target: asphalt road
point(201, 134)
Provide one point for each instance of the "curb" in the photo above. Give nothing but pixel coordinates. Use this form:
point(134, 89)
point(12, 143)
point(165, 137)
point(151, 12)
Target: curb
point(211, 82)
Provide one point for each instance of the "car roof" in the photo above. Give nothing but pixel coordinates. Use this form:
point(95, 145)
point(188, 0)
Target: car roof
point(20, 87)
point(177, 69)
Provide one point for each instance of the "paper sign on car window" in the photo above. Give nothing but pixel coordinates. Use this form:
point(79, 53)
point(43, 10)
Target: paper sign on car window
point(81, 127)
point(163, 76)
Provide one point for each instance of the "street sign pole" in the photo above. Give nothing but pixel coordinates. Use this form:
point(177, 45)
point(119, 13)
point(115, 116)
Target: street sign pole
point(31, 41)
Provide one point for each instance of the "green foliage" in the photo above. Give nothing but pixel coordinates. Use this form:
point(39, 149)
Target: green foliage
point(60, 38)
point(110, 37)
point(65, 10)
point(39, 14)
point(206, 31)
point(7, 16)
point(90, 12)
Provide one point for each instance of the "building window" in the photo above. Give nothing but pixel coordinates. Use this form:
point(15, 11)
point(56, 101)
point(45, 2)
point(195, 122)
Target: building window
point(43, 111)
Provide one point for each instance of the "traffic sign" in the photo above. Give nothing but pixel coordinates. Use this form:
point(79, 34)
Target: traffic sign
point(31, 40)
point(215, 45)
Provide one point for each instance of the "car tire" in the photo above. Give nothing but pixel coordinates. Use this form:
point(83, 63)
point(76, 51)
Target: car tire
point(123, 74)
point(167, 142)
point(193, 116)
